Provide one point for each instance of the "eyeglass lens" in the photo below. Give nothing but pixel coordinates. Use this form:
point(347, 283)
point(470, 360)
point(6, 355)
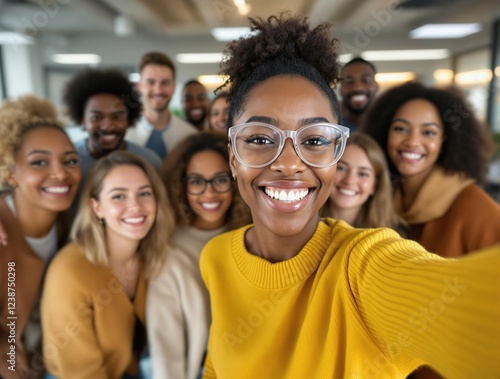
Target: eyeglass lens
point(318, 145)
point(196, 185)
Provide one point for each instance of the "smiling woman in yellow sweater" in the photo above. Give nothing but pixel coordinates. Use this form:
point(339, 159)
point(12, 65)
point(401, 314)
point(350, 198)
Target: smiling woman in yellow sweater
point(295, 296)
point(94, 296)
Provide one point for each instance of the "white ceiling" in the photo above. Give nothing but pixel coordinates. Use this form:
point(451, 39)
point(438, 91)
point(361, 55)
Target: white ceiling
point(176, 26)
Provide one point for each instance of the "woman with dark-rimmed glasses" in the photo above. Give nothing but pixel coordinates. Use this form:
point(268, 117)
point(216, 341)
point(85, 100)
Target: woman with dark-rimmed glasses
point(206, 203)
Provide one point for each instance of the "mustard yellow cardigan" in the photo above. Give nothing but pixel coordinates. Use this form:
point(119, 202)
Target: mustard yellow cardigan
point(87, 319)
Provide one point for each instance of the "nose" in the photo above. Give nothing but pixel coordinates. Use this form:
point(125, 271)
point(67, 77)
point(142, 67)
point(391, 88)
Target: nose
point(412, 138)
point(288, 162)
point(349, 177)
point(59, 171)
point(134, 202)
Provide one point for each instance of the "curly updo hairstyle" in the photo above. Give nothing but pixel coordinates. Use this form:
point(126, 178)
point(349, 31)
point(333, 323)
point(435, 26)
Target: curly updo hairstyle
point(467, 146)
point(89, 82)
point(281, 45)
point(17, 118)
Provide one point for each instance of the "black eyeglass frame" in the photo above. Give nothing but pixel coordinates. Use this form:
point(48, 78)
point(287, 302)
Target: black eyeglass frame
point(206, 182)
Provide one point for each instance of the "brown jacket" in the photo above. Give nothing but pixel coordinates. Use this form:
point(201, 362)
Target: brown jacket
point(25, 280)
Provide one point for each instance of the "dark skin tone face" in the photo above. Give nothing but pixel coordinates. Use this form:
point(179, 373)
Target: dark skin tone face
point(195, 104)
point(284, 223)
point(105, 118)
point(358, 88)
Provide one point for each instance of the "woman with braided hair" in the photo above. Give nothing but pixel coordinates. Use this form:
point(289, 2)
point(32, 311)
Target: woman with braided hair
point(297, 296)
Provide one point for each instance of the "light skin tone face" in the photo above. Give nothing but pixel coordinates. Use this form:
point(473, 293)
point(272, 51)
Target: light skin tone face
point(195, 103)
point(157, 86)
point(127, 206)
point(218, 115)
point(210, 207)
point(358, 87)
point(414, 141)
point(354, 184)
point(45, 177)
point(105, 119)
point(284, 223)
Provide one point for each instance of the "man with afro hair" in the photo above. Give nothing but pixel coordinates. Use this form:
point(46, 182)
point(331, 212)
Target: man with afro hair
point(104, 103)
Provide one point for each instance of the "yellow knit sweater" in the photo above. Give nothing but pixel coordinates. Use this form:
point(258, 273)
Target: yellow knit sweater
point(352, 304)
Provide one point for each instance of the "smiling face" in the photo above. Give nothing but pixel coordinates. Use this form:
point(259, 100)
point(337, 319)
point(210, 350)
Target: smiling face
point(287, 103)
point(46, 173)
point(355, 180)
point(358, 87)
point(210, 207)
point(157, 86)
point(218, 115)
point(415, 138)
point(105, 118)
point(126, 203)
point(195, 103)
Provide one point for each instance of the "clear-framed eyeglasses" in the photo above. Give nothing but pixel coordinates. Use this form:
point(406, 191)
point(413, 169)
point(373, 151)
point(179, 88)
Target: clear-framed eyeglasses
point(196, 185)
point(257, 144)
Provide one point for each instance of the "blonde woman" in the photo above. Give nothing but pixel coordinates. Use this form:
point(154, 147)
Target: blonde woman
point(119, 238)
point(362, 190)
point(39, 176)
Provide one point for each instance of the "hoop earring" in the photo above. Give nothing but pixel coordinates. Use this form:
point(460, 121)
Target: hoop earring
point(101, 221)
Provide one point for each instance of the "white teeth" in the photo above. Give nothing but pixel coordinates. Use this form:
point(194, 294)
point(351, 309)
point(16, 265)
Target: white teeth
point(359, 98)
point(109, 137)
point(210, 206)
point(347, 192)
point(411, 156)
point(57, 189)
point(290, 196)
point(134, 220)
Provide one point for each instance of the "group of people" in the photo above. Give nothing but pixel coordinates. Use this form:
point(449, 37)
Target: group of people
point(243, 254)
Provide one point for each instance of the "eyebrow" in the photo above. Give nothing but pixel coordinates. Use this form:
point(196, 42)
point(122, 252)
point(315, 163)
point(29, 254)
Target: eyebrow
point(408, 122)
point(48, 152)
point(359, 167)
point(273, 121)
point(127, 189)
point(198, 175)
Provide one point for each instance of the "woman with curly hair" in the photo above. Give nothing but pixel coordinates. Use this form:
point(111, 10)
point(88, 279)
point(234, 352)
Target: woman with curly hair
point(217, 113)
point(297, 296)
point(198, 181)
point(362, 192)
point(94, 295)
point(105, 103)
point(39, 177)
point(439, 152)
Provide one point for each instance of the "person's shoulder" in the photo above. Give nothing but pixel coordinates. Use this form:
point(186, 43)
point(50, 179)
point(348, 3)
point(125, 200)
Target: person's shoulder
point(81, 145)
point(146, 153)
point(178, 122)
point(474, 199)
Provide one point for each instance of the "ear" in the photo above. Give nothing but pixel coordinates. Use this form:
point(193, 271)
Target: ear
point(232, 161)
point(11, 178)
point(96, 207)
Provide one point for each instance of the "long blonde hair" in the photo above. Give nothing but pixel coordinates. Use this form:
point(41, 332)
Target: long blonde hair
point(378, 210)
point(88, 232)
